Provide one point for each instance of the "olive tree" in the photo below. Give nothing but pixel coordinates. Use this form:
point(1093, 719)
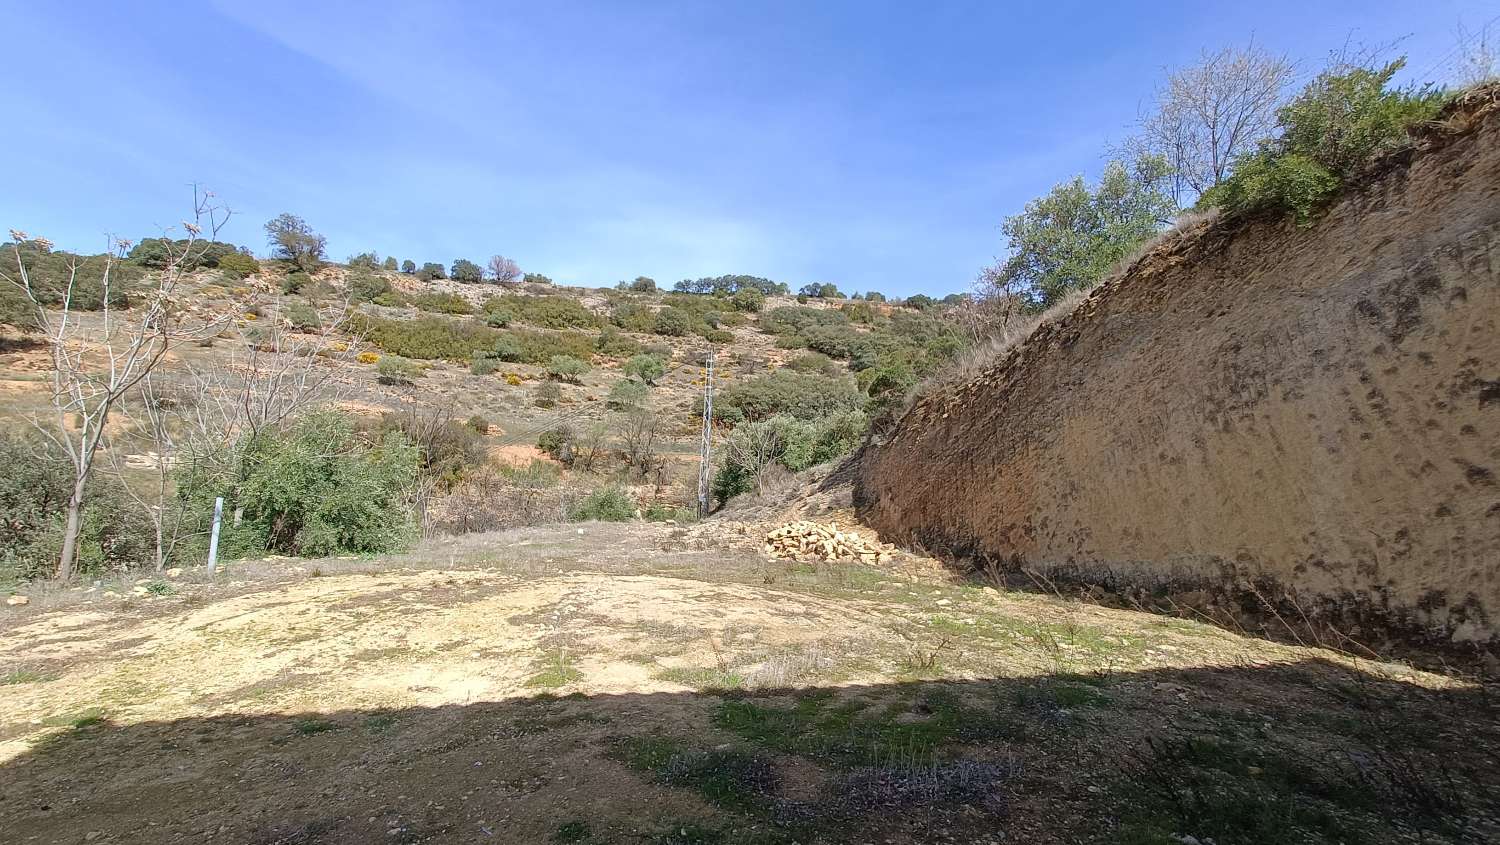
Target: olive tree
point(292, 239)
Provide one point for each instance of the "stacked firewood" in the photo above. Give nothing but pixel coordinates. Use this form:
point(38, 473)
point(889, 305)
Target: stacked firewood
point(804, 540)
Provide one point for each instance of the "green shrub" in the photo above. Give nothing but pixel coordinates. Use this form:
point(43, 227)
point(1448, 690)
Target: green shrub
point(609, 504)
point(484, 365)
point(643, 284)
point(425, 338)
point(634, 317)
point(613, 343)
point(432, 270)
point(566, 368)
point(662, 512)
point(364, 287)
point(718, 337)
point(547, 395)
point(34, 491)
point(647, 368)
point(295, 281)
point(49, 272)
point(479, 424)
point(395, 370)
point(237, 265)
point(300, 315)
point(557, 443)
point(801, 395)
point(795, 444)
point(835, 341)
point(627, 393)
point(318, 489)
point(551, 312)
point(671, 322)
point(535, 279)
point(814, 362)
point(442, 303)
point(1344, 119)
point(795, 319)
point(498, 318)
point(748, 299)
point(389, 299)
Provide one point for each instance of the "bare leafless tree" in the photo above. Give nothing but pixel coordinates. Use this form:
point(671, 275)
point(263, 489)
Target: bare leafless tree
point(638, 429)
point(275, 377)
point(592, 446)
point(1207, 114)
point(503, 270)
point(95, 363)
point(1479, 54)
point(755, 447)
point(154, 418)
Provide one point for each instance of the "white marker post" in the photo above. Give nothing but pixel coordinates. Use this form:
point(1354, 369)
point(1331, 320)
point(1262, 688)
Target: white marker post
point(213, 538)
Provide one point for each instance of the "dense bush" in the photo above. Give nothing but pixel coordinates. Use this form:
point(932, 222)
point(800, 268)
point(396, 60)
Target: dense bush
point(566, 368)
point(467, 271)
point(49, 271)
point(801, 395)
point(238, 265)
point(364, 287)
point(642, 284)
point(814, 362)
point(300, 315)
point(432, 270)
point(647, 368)
point(547, 395)
point(295, 281)
point(442, 303)
point(447, 449)
point(535, 279)
point(396, 370)
point(389, 263)
point(794, 444)
point(794, 319)
point(34, 493)
point(671, 322)
point(627, 393)
point(748, 299)
point(364, 261)
point(498, 318)
point(158, 253)
point(425, 338)
point(634, 317)
point(835, 341)
point(409, 267)
point(484, 365)
point(609, 504)
point(320, 488)
point(552, 312)
point(1341, 121)
point(557, 443)
point(614, 344)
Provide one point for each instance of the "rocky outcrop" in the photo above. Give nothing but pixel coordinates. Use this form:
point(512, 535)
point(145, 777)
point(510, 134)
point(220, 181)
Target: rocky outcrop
point(1304, 419)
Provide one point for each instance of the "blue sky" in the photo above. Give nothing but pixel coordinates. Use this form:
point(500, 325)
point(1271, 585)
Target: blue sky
point(874, 145)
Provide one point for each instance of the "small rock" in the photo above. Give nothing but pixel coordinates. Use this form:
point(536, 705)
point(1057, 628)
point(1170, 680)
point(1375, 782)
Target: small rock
point(92, 835)
point(17, 600)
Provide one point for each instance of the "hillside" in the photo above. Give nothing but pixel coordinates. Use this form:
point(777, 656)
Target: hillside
point(1286, 426)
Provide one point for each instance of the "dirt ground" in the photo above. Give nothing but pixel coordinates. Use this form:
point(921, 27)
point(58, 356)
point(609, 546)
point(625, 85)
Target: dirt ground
point(641, 683)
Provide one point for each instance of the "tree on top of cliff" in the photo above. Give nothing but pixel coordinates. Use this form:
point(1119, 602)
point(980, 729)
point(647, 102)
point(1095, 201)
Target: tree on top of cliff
point(1068, 239)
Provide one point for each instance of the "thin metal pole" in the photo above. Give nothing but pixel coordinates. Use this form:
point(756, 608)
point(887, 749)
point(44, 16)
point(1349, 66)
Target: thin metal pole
point(705, 454)
point(213, 538)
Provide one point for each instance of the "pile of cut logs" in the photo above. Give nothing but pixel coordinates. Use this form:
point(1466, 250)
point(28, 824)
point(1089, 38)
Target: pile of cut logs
point(804, 540)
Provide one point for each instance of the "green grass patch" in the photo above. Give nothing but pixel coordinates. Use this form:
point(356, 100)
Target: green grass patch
point(308, 727)
point(729, 778)
point(574, 831)
point(25, 676)
point(703, 678)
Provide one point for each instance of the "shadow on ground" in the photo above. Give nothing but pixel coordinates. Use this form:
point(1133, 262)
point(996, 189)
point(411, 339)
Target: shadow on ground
point(1309, 751)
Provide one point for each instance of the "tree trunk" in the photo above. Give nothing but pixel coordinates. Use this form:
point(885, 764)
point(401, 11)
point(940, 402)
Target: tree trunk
point(71, 529)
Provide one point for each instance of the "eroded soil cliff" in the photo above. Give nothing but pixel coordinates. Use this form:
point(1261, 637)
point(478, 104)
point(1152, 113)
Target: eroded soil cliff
point(1304, 420)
